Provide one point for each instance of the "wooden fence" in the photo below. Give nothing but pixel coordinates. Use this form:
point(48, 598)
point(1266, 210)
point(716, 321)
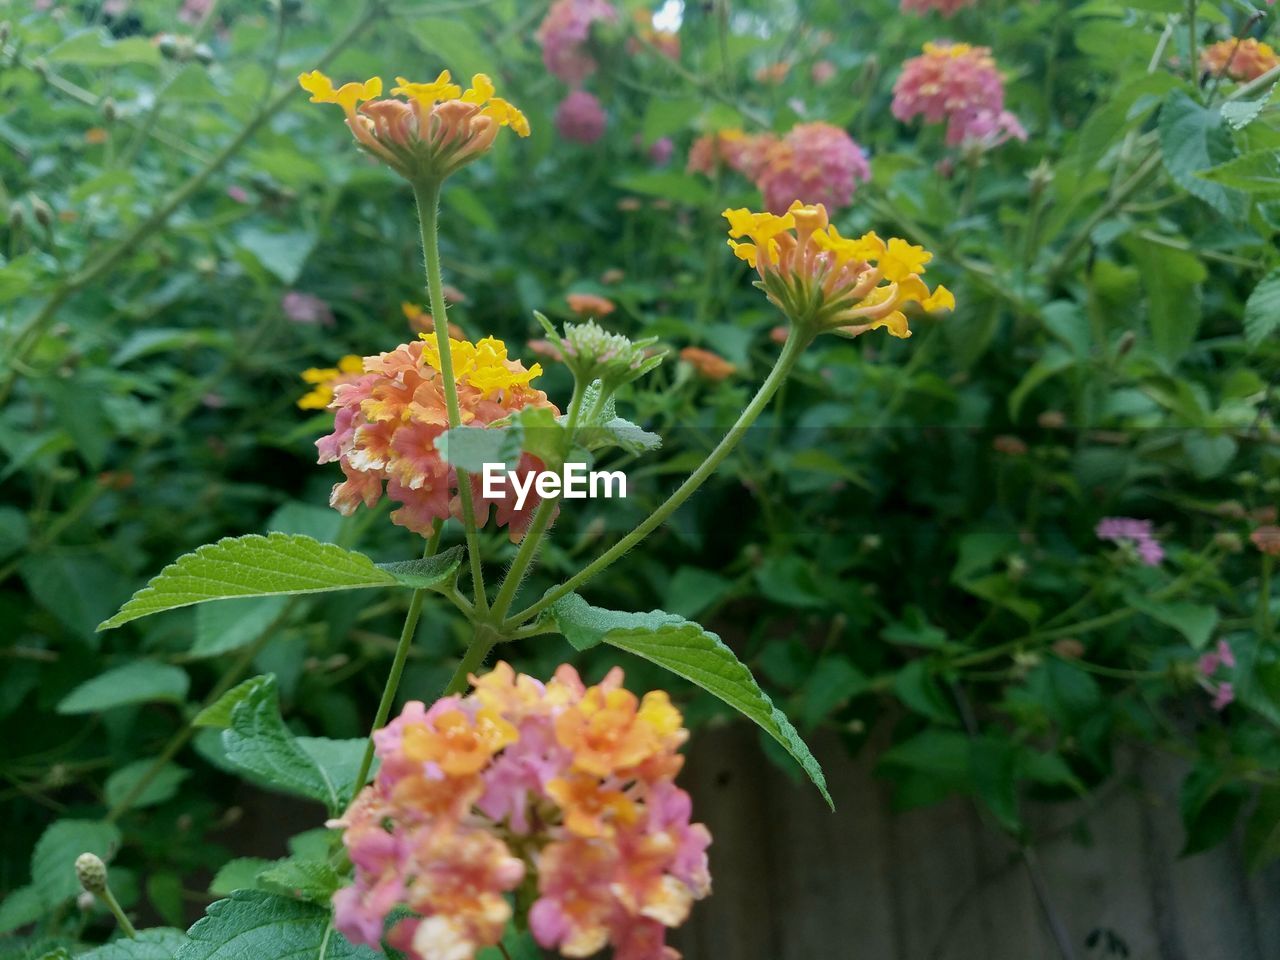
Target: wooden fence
point(793, 881)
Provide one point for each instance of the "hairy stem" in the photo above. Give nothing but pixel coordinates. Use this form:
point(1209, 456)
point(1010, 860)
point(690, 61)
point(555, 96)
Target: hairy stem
point(427, 195)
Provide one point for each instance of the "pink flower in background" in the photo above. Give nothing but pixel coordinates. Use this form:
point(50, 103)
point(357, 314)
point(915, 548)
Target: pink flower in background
point(1138, 533)
point(948, 8)
point(823, 72)
point(813, 163)
point(238, 193)
point(1221, 656)
point(564, 33)
point(306, 308)
point(580, 118)
point(960, 84)
point(660, 151)
point(743, 152)
point(1224, 697)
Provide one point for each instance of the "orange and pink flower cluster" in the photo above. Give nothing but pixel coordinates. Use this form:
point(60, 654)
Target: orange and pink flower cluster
point(1239, 59)
point(959, 84)
point(812, 163)
point(390, 413)
point(563, 790)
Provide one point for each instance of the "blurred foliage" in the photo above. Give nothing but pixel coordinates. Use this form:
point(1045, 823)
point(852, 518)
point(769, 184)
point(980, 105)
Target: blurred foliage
point(904, 543)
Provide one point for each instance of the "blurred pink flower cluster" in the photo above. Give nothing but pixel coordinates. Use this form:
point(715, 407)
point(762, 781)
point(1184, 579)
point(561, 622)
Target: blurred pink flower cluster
point(558, 788)
point(1224, 692)
point(1137, 533)
point(813, 163)
point(564, 34)
point(580, 117)
point(960, 84)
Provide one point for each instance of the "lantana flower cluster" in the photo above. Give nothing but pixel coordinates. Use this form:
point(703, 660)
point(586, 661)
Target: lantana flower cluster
point(1137, 534)
point(823, 281)
point(564, 34)
point(812, 163)
point(960, 84)
point(1240, 59)
point(436, 128)
point(563, 791)
point(389, 416)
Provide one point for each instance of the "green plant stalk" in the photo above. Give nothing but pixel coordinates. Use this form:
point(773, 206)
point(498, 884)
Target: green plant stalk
point(427, 196)
point(1193, 56)
point(28, 336)
point(791, 350)
point(482, 641)
point(109, 898)
point(538, 526)
point(398, 661)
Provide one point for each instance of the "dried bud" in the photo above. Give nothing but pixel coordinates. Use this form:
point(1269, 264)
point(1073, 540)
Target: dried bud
point(1069, 648)
point(85, 901)
point(1126, 342)
point(91, 872)
point(42, 212)
point(109, 110)
point(1052, 419)
point(203, 53)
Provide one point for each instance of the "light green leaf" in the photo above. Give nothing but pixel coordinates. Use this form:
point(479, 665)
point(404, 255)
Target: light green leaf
point(162, 786)
point(1192, 139)
point(254, 925)
point(258, 566)
point(231, 624)
point(97, 48)
point(53, 862)
point(682, 188)
point(305, 879)
point(1256, 173)
point(619, 432)
point(142, 681)
point(158, 943)
point(238, 874)
point(218, 714)
point(689, 651)
point(282, 253)
point(21, 907)
point(1262, 311)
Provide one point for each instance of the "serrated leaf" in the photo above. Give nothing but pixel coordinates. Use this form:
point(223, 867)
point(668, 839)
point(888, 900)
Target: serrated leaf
point(260, 745)
point(273, 565)
point(619, 432)
point(1256, 173)
point(158, 943)
point(1262, 311)
point(1192, 139)
point(689, 651)
point(1240, 113)
point(305, 879)
point(143, 681)
point(53, 861)
point(238, 874)
point(254, 925)
point(218, 713)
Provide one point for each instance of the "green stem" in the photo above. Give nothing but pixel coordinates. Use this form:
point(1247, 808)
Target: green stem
point(397, 662)
point(113, 905)
point(1264, 600)
point(1193, 57)
point(791, 350)
point(538, 526)
point(427, 196)
point(481, 643)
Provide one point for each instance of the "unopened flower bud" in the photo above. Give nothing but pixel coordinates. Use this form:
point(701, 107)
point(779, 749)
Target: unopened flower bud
point(109, 110)
point(1125, 343)
point(592, 353)
point(1246, 478)
point(91, 872)
point(17, 217)
point(42, 212)
point(1040, 177)
point(203, 53)
point(85, 901)
point(1228, 542)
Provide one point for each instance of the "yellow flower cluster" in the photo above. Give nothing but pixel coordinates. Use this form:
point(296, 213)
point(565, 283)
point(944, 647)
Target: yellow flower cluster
point(436, 128)
point(483, 365)
point(824, 281)
point(324, 379)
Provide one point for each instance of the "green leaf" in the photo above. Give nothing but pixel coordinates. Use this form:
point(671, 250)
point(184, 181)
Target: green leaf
point(238, 874)
point(1262, 311)
point(254, 925)
point(232, 624)
point(259, 744)
point(53, 861)
point(304, 879)
point(21, 907)
point(142, 681)
point(1195, 621)
point(1209, 808)
point(619, 432)
point(15, 531)
point(689, 651)
point(943, 753)
point(283, 253)
point(158, 943)
point(1192, 139)
point(279, 563)
point(834, 683)
point(672, 185)
point(163, 786)
point(218, 713)
point(454, 42)
point(915, 687)
point(1172, 279)
point(1256, 173)
point(470, 448)
point(1261, 831)
point(97, 48)
point(1054, 360)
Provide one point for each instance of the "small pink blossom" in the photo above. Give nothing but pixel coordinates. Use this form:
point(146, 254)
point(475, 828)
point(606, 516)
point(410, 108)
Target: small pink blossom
point(660, 151)
point(581, 118)
point(1137, 533)
point(564, 33)
point(238, 193)
point(1224, 697)
point(306, 308)
point(1222, 656)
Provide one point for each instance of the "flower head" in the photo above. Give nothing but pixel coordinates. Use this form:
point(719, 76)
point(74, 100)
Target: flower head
point(707, 364)
point(744, 152)
point(581, 118)
point(1136, 533)
point(1240, 59)
point(960, 84)
point(564, 788)
point(428, 129)
point(593, 353)
point(390, 414)
point(823, 281)
point(813, 163)
point(1267, 539)
point(564, 33)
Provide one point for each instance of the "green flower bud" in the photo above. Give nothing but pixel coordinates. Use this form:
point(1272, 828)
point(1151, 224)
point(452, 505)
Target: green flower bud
point(592, 353)
point(91, 872)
